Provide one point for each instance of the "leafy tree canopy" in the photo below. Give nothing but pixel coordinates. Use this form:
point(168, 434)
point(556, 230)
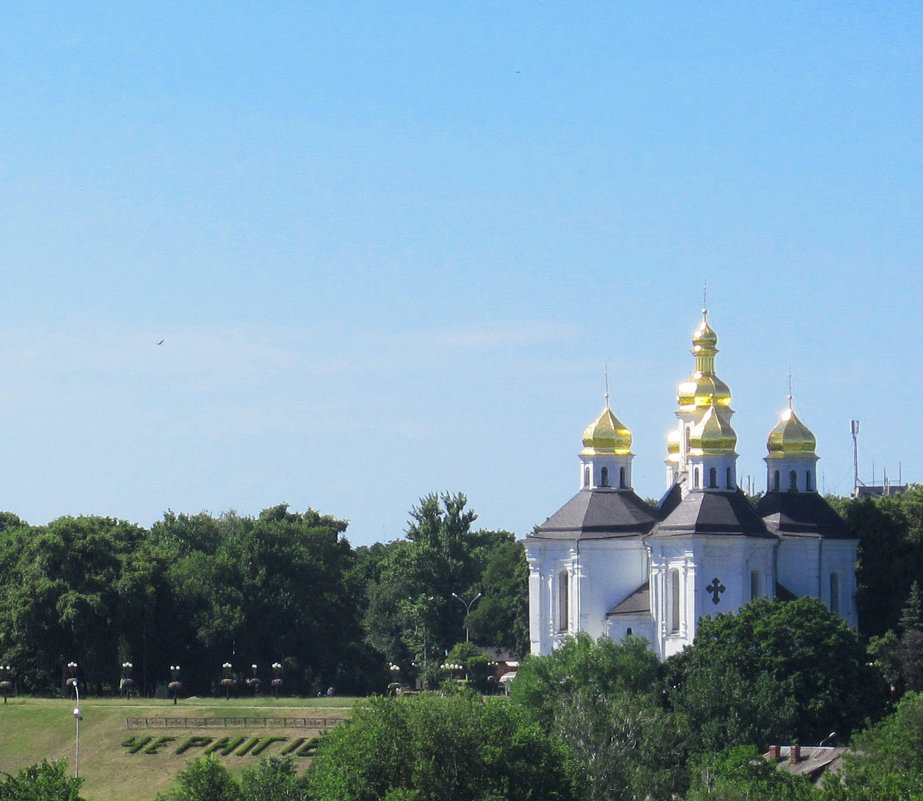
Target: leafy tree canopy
point(431, 748)
point(46, 781)
point(796, 656)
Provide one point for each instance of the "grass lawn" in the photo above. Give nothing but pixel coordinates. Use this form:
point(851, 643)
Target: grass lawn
point(32, 729)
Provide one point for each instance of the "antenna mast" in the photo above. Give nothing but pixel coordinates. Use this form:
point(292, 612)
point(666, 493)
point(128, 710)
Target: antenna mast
point(854, 429)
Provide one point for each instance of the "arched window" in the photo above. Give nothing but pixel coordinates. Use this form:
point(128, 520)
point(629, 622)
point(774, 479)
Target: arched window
point(628, 632)
point(622, 483)
point(712, 478)
point(754, 584)
point(674, 601)
point(807, 481)
point(729, 479)
point(776, 481)
point(695, 478)
point(604, 477)
point(563, 592)
point(835, 593)
point(793, 480)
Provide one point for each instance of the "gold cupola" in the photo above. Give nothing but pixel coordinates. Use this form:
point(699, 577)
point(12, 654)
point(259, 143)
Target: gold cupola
point(713, 434)
point(606, 435)
point(703, 386)
point(790, 437)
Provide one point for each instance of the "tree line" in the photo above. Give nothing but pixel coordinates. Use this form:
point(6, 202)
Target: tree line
point(287, 587)
point(200, 591)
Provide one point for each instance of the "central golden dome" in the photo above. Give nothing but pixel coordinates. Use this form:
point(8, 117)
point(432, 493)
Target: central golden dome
point(606, 434)
point(703, 386)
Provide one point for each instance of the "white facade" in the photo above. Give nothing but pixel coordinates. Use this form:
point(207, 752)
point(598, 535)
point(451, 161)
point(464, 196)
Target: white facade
point(607, 564)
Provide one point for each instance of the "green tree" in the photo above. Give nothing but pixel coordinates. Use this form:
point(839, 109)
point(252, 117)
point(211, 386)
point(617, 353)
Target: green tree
point(205, 779)
point(603, 665)
point(890, 534)
point(46, 781)
point(719, 704)
point(276, 779)
point(60, 598)
point(886, 760)
point(411, 616)
point(742, 774)
point(501, 617)
point(430, 748)
point(815, 660)
point(600, 699)
point(276, 588)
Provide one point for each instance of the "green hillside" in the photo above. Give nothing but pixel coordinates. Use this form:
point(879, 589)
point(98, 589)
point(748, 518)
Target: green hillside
point(32, 729)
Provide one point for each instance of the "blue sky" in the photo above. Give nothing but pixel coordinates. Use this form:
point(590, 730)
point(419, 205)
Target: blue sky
point(392, 247)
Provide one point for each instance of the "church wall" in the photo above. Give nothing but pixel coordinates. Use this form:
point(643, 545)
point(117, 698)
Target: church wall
point(548, 560)
point(838, 557)
point(698, 561)
point(620, 626)
point(610, 570)
point(798, 565)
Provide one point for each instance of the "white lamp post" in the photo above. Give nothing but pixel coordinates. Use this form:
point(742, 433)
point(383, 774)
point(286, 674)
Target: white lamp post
point(78, 716)
point(467, 605)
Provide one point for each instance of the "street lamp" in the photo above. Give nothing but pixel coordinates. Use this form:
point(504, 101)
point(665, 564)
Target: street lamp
point(78, 716)
point(175, 684)
point(6, 683)
point(276, 678)
point(467, 605)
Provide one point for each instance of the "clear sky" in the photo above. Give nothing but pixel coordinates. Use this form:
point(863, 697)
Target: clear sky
point(391, 247)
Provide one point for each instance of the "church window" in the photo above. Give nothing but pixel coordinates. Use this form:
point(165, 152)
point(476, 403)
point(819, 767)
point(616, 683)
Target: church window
point(712, 478)
point(695, 478)
point(835, 593)
point(754, 584)
point(729, 479)
point(604, 477)
point(807, 481)
point(776, 484)
point(586, 477)
point(793, 480)
point(622, 483)
point(674, 601)
point(563, 591)
point(628, 632)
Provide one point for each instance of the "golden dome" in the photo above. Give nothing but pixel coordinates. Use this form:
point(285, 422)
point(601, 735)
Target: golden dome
point(700, 389)
point(673, 441)
point(790, 437)
point(714, 433)
point(606, 434)
point(704, 336)
point(703, 386)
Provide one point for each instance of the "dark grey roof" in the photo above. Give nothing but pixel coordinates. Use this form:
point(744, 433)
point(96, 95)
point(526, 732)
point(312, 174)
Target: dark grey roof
point(638, 603)
point(600, 513)
point(801, 514)
point(709, 512)
point(783, 593)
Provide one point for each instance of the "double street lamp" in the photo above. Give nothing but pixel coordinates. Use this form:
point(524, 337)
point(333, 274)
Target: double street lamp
point(467, 605)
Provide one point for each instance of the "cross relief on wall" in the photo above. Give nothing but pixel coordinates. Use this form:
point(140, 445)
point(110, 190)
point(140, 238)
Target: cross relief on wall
point(715, 588)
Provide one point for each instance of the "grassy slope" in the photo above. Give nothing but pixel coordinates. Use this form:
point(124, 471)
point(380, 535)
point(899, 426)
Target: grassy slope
point(32, 729)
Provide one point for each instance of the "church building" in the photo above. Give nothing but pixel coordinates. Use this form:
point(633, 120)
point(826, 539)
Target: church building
point(609, 564)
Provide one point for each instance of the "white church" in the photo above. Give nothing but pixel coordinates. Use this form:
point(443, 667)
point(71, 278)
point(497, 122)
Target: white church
point(607, 563)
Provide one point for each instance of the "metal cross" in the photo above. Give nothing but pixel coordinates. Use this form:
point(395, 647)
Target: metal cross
point(715, 588)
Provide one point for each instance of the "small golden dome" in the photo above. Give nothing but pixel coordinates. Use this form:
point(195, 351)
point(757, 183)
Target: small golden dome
point(606, 434)
point(790, 437)
point(714, 433)
point(673, 441)
point(704, 336)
